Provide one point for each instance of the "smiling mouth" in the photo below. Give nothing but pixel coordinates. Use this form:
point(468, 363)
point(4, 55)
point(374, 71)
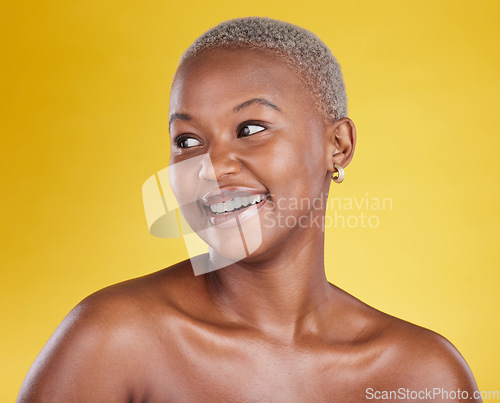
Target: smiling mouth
point(240, 206)
point(236, 204)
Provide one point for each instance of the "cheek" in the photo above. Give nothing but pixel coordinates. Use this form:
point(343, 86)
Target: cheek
point(278, 166)
point(183, 184)
point(291, 171)
point(187, 201)
point(184, 181)
point(299, 161)
point(184, 176)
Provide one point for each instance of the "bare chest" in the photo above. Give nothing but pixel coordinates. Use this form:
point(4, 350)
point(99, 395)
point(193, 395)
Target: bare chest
point(254, 373)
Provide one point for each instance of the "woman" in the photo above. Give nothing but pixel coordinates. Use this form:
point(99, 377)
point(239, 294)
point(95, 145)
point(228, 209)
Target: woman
point(258, 121)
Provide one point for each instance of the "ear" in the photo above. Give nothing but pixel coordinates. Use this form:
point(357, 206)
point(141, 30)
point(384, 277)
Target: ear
point(340, 143)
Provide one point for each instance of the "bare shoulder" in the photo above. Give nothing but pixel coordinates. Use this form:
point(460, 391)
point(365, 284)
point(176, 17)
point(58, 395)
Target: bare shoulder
point(427, 359)
point(414, 357)
point(98, 349)
point(401, 354)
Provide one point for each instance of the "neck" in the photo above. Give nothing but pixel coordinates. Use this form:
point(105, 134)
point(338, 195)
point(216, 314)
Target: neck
point(283, 294)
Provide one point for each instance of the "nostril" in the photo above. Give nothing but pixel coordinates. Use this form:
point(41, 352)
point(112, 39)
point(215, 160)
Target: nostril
point(225, 166)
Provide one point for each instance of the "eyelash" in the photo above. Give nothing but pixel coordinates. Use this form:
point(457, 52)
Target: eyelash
point(181, 137)
point(250, 123)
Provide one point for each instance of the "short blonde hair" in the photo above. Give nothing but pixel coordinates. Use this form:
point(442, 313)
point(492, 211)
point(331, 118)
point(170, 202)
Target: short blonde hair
point(307, 53)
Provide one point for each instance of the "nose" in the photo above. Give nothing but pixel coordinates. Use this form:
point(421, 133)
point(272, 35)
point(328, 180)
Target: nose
point(220, 161)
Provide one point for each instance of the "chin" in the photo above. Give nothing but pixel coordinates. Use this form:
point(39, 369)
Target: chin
point(229, 242)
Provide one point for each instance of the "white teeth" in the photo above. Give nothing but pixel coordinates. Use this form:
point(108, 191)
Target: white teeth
point(236, 203)
point(219, 207)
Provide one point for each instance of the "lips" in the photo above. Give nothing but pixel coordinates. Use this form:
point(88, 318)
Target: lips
point(226, 204)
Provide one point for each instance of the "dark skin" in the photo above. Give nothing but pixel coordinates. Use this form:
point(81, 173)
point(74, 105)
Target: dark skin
point(269, 327)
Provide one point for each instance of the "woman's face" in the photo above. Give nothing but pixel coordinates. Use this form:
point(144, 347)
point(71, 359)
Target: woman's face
point(247, 151)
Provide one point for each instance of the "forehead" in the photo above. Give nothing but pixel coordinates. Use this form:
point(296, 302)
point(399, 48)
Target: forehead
point(225, 76)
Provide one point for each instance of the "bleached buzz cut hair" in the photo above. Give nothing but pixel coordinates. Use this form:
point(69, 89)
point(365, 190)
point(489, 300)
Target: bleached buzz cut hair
point(303, 50)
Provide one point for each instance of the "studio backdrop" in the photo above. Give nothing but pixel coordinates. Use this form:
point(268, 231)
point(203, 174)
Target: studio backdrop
point(412, 230)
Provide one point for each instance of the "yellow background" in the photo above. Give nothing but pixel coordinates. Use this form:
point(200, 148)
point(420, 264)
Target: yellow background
point(84, 93)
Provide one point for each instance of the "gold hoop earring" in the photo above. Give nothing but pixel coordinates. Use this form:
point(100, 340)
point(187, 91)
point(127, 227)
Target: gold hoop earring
point(340, 177)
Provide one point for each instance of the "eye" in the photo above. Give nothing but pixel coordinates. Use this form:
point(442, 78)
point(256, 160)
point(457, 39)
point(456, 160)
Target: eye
point(247, 129)
point(187, 142)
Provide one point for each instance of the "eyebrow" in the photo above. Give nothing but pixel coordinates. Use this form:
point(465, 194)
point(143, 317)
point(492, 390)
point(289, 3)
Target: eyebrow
point(253, 101)
point(261, 101)
point(179, 116)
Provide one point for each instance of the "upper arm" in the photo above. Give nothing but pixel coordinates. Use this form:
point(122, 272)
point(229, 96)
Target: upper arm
point(80, 362)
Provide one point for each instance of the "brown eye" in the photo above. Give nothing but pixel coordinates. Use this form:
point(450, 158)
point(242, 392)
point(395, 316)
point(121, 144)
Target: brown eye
point(187, 142)
point(248, 130)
